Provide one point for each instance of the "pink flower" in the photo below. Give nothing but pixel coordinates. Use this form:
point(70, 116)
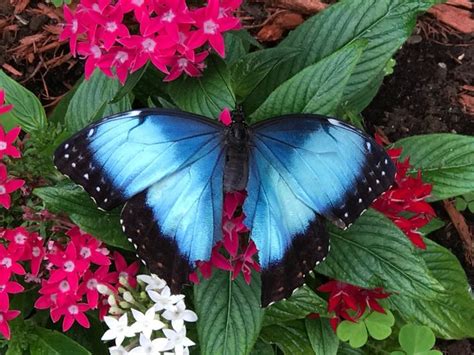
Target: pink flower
point(7, 287)
point(127, 272)
point(73, 28)
point(157, 49)
point(120, 59)
point(72, 313)
point(90, 282)
point(9, 261)
point(180, 64)
point(5, 317)
point(6, 142)
point(37, 253)
point(111, 27)
point(69, 266)
point(92, 53)
point(19, 238)
point(88, 247)
point(4, 108)
point(7, 187)
point(170, 14)
point(226, 118)
point(211, 24)
point(56, 294)
point(139, 7)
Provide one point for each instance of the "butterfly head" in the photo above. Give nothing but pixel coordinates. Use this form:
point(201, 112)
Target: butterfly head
point(237, 132)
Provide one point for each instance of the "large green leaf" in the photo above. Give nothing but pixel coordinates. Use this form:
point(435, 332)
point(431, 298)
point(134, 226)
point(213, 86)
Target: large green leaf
point(91, 100)
point(451, 313)
point(322, 337)
point(230, 316)
point(51, 342)
point(207, 95)
point(27, 109)
point(316, 89)
point(251, 69)
point(386, 24)
point(290, 337)
point(446, 161)
point(374, 253)
point(303, 302)
point(73, 201)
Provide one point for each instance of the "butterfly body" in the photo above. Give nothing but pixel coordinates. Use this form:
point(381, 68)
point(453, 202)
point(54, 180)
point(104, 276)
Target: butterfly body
point(172, 168)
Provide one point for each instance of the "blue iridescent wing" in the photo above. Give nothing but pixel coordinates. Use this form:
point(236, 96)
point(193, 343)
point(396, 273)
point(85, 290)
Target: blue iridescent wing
point(168, 166)
point(303, 167)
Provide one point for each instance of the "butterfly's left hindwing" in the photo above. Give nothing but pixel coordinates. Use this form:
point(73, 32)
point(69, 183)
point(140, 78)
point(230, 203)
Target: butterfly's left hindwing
point(303, 167)
point(169, 166)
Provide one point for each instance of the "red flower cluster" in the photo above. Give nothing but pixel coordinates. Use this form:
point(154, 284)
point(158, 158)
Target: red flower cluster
point(239, 249)
point(405, 202)
point(170, 35)
point(344, 297)
point(75, 271)
point(7, 186)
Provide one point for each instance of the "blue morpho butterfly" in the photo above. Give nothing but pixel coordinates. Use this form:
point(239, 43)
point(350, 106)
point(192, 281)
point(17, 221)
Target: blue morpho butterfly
point(171, 169)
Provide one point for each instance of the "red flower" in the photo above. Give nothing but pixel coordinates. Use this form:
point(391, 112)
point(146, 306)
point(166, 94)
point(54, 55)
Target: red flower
point(211, 24)
point(9, 261)
point(111, 27)
point(4, 108)
point(90, 282)
point(405, 202)
point(7, 187)
point(88, 247)
point(344, 297)
point(180, 64)
point(5, 317)
point(69, 266)
point(74, 26)
point(226, 118)
point(245, 263)
point(7, 139)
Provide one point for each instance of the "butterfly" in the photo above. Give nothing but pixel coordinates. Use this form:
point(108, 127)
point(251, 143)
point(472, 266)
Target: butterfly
point(171, 170)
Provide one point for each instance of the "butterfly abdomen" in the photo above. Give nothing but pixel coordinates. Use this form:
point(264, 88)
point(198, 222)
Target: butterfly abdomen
point(237, 156)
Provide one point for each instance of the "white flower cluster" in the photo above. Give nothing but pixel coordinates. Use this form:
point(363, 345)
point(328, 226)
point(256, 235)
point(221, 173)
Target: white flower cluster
point(158, 319)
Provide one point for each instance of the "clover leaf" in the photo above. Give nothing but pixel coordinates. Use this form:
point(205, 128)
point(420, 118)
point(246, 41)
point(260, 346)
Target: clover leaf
point(416, 340)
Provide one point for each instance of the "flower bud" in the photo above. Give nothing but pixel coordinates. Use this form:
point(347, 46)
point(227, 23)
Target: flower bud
point(127, 296)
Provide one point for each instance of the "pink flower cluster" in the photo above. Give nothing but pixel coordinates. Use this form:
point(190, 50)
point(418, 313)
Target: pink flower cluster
point(120, 37)
point(69, 274)
point(7, 149)
point(405, 202)
point(75, 272)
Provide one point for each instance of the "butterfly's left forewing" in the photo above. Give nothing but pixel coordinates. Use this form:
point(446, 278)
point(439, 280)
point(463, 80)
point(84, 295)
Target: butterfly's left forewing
point(169, 166)
point(303, 167)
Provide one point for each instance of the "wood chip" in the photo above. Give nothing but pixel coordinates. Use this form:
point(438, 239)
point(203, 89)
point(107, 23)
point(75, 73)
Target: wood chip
point(467, 4)
point(306, 7)
point(455, 17)
point(11, 70)
point(20, 5)
point(467, 103)
point(285, 20)
point(463, 229)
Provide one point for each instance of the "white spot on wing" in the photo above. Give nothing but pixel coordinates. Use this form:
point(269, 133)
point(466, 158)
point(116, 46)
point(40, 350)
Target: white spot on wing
point(383, 173)
point(97, 188)
point(368, 145)
point(91, 132)
point(360, 200)
point(86, 176)
point(346, 214)
point(66, 156)
point(73, 165)
point(66, 146)
point(334, 122)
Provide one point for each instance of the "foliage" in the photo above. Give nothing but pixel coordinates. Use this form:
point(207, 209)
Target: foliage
point(332, 64)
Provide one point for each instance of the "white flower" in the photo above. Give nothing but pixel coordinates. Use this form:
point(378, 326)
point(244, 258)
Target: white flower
point(165, 299)
point(151, 347)
point(178, 340)
point(146, 323)
point(178, 314)
point(154, 283)
point(118, 329)
point(118, 350)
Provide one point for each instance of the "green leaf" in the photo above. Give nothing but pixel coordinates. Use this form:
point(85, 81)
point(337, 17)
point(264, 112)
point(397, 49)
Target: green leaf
point(235, 47)
point(151, 84)
point(90, 101)
point(207, 95)
point(27, 109)
point(380, 325)
point(446, 161)
point(290, 337)
point(59, 112)
point(124, 104)
point(354, 333)
point(251, 69)
point(132, 81)
point(262, 348)
point(433, 225)
point(72, 200)
point(451, 313)
point(303, 302)
point(322, 337)
point(386, 24)
point(374, 253)
point(416, 339)
point(51, 342)
point(316, 89)
point(229, 314)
